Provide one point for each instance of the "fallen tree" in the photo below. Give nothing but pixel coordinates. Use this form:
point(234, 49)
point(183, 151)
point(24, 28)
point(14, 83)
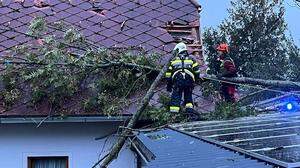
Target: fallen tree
point(254, 81)
point(142, 106)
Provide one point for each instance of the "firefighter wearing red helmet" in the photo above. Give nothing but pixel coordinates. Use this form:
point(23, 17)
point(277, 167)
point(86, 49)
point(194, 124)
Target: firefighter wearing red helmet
point(227, 69)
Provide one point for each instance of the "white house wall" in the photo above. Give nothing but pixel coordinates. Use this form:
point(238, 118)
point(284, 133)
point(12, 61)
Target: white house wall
point(75, 140)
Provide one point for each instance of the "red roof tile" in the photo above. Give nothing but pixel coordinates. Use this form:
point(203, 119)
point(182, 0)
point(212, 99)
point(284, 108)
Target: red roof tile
point(121, 23)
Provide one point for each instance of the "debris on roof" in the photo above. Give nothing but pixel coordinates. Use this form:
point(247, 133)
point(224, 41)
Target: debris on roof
point(154, 26)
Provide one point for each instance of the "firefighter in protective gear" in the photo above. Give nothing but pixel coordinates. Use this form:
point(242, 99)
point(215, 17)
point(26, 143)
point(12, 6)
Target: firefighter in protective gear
point(181, 76)
point(227, 69)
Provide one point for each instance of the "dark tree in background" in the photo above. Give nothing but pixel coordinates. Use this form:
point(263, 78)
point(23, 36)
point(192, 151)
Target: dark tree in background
point(256, 32)
point(294, 61)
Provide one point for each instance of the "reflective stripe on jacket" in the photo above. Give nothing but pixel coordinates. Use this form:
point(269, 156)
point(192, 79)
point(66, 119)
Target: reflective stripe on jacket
point(187, 66)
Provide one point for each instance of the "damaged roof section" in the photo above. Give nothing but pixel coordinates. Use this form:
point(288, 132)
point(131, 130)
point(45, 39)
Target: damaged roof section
point(154, 25)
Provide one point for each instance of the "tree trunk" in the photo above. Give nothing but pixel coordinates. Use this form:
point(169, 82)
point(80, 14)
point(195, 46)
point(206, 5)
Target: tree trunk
point(262, 82)
point(144, 103)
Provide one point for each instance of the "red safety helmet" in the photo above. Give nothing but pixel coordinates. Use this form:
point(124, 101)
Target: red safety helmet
point(223, 47)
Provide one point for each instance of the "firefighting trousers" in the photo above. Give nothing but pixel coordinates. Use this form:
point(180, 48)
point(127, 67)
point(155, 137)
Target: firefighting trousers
point(228, 92)
point(187, 91)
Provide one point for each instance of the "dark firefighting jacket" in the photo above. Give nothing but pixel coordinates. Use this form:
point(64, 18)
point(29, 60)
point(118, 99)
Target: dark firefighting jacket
point(227, 68)
point(184, 65)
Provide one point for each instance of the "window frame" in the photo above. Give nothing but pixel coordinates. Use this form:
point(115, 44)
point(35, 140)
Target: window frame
point(30, 159)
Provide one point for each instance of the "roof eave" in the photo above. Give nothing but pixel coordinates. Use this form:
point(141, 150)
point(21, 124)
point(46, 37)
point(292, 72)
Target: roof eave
point(81, 119)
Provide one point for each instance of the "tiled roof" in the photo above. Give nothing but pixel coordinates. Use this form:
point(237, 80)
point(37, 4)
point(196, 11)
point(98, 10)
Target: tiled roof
point(155, 25)
point(145, 22)
point(171, 148)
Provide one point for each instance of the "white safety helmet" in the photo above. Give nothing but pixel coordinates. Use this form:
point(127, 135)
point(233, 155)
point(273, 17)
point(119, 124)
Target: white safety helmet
point(180, 47)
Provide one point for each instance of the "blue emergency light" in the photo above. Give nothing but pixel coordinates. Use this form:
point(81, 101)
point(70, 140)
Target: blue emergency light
point(289, 106)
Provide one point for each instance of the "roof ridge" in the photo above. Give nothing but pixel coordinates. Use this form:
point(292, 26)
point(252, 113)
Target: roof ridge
point(196, 4)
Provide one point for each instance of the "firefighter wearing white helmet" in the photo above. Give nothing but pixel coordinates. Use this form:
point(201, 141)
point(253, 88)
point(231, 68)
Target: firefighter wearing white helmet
point(181, 76)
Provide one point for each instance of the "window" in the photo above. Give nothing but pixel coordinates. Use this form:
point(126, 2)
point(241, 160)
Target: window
point(48, 162)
